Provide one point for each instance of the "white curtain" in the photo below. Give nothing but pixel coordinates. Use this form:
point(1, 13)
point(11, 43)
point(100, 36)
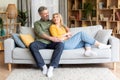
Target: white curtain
point(63, 10)
point(52, 6)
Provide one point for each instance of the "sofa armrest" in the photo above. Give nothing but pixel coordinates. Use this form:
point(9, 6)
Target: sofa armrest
point(115, 47)
point(9, 45)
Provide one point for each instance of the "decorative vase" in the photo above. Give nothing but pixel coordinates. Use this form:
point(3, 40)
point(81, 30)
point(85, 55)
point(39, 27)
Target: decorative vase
point(12, 11)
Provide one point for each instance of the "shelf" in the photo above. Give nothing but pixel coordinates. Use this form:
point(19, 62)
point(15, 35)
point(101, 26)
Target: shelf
point(76, 9)
point(117, 35)
point(4, 37)
point(106, 14)
point(3, 12)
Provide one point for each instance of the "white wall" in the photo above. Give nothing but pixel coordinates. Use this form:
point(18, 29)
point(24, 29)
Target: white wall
point(4, 3)
point(52, 6)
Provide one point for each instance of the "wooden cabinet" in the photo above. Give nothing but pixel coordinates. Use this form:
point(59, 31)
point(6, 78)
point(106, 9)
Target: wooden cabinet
point(104, 12)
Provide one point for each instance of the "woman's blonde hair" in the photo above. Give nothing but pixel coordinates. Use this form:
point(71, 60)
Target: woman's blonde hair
point(61, 19)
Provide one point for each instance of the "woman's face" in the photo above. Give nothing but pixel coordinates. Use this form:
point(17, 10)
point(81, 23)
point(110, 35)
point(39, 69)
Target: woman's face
point(56, 19)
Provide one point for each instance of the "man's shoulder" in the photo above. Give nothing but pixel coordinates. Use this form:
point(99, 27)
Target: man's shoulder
point(38, 21)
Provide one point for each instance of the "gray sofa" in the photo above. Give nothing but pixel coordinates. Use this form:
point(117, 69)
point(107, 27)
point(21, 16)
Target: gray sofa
point(17, 55)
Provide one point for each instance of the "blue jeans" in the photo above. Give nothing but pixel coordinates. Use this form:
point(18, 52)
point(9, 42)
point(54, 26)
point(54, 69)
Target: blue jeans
point(37, 45)
point(79, 40)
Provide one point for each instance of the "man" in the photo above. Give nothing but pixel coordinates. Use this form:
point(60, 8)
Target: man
point(45, 41)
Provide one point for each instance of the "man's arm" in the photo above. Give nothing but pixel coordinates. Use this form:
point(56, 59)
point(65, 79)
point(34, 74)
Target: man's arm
point(40, 33)
point(47, 37)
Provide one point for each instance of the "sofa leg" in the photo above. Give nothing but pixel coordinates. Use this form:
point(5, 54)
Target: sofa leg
point(9, 66)
point(114, 66)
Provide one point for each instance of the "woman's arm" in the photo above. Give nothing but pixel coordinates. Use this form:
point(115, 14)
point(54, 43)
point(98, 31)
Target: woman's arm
point(68, 34)
point(55, 32)
point(67, 29)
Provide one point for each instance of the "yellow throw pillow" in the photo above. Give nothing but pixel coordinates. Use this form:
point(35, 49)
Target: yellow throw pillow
point(27, 39)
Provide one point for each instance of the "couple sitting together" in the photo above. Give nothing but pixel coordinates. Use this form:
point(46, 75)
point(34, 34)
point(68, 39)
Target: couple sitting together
point(52, 34)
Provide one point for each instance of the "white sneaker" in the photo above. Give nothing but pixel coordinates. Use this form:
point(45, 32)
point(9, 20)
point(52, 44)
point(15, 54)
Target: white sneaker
point(89, 53)
point(50, 71)
point(104, 46)
point(45, 69)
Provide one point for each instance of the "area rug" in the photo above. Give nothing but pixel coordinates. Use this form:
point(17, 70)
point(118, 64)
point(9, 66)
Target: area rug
point(64, 74)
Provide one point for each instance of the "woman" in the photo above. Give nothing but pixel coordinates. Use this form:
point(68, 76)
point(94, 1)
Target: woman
point(79, 40)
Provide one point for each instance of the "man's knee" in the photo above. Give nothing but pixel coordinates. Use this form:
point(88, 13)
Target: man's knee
point(32, 45)
point(60, 44)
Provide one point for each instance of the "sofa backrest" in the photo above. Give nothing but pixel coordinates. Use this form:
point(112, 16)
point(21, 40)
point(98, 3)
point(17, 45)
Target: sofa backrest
point(91, 30)
point(27, 30)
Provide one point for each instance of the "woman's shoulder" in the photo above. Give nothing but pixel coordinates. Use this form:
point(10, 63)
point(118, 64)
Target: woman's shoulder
point(52, 25)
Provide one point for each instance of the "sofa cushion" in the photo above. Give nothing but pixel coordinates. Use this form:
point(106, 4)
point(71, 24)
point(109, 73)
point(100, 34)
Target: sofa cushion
point(27, 39)
point(103, 35)
point(17, 40)
point(22, 54)
point(19, 53)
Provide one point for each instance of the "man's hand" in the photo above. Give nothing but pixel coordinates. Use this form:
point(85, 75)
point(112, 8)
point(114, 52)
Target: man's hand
point(54, 39)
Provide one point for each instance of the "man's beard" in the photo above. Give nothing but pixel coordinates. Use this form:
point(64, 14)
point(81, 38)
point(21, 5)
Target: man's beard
point(46, 18)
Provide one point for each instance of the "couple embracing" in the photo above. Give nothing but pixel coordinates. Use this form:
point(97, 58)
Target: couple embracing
point(52, 34)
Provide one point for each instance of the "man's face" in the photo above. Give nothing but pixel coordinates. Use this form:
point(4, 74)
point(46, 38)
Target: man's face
point(44, 15)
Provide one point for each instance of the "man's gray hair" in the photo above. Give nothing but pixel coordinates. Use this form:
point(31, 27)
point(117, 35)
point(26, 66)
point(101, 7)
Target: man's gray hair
point(42, 8)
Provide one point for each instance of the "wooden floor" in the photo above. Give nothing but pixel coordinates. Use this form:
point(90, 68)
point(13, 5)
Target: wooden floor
point(4, 71)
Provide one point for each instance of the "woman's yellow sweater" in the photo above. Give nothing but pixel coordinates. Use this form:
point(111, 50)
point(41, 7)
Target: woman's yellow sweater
point(57, 31)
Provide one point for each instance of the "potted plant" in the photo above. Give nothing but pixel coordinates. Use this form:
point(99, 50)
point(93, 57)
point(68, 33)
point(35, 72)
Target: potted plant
point(22, 17)
point(2, 32)
point(88, 9)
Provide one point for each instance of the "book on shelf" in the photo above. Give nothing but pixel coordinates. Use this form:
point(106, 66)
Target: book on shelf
point(73, 7)
point(117, 15)
point(78, 16)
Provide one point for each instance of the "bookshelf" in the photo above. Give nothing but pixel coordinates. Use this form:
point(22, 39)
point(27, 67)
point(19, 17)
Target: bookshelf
point(8, 27)
point(3, 15)
point(104, 12)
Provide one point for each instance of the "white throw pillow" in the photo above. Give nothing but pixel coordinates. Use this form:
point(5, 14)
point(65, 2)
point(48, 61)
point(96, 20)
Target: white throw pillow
point(103, 35)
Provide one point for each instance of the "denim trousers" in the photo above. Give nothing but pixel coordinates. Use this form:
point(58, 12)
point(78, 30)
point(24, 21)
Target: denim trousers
point(79, 40)
point(56, 46)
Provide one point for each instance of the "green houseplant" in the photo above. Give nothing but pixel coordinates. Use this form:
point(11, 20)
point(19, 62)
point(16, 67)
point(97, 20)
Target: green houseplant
point(88, 9)
point(2, 32)
point(22, 17)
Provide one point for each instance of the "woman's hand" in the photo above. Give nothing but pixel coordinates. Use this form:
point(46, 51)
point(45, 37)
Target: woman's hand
point(55, 39)
point(67, 34)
